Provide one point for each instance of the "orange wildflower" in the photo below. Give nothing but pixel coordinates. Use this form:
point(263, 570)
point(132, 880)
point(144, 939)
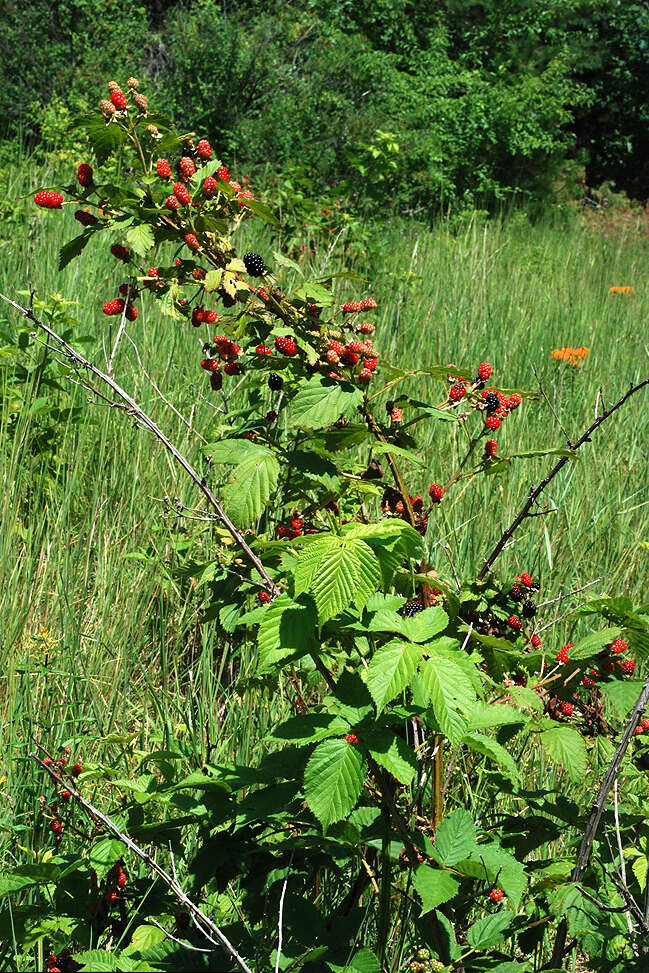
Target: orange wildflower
point(621, 290)
point(572, 356)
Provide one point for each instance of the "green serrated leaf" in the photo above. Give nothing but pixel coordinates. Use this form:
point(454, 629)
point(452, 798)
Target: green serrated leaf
point(333, 780)
point(565, 745)
point(140, 238)
point(249, 488)
point(393, 754)
point(322, 401)
point(492, 749)
point(434, 887)
point(489, 862)
point(450, 692)
point(594, 642)
point(455, 837)
point(390, 671)
point(285, 632)
point(312, 293)
point(213, 280)
point(73, 248)
point(489, 931)
point(261, 209)
point(337, 572)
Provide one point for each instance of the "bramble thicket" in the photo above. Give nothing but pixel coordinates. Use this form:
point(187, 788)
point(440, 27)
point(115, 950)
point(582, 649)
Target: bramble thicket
point(444, 786)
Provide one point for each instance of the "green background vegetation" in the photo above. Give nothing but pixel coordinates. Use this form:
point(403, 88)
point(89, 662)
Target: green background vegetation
point(490, 99)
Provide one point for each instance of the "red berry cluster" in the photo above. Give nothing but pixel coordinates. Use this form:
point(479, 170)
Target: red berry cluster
point(294, 528)
point(286, 346)
point(48, 199)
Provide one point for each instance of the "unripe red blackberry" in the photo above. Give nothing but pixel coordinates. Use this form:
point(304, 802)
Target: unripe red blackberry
point(371, 364)
point(57, 829)
point(210, 186)
point(204, 149)
point(76, 769)
point(85, 218)
point(457, 392)
point(131, 312)
point(254, 263)
point(210, 364)
point(275, 382)
point(163, 168)
point(286, 346)
point(435, 493)
point(233, 368)
point(366, 327)
point(365, 375)
point(264, 597)
point(222, 173)
point(118, 100)
point(492, 422)
point(211, 317)
point(351, 307)
point(645, 724)
point(84, 174)
point(618, 646)
point(216, 381)
point(484, 370)
point(192, 241)
point(172, 203)
point(490, 448)
point(514, 400)
point(153, 272)
point(65, 796)
point(628, 667)
point(107, 108)
point(120, 252)
point(263, 350)
point(566, 708)
point(350, 357)
point(496, 895)
point(514, 623)
point(350, 738)
point(181, 193)
point(112, 308)
point(535, 641)
point(48, 199)
point(562, 654)
point(187, 167)
point(142, 104)
point(368, 304)
point(526, 579)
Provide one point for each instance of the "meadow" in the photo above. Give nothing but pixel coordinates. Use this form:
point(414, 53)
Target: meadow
point(103, 644)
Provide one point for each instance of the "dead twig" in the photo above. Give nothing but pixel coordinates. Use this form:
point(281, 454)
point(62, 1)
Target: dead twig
point(536, 491)
point(133, 409)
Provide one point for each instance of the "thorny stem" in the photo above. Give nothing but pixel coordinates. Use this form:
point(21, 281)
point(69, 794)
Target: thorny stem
point(535, 492)
point(597, 810)
point(201, 920)
point(132, 408)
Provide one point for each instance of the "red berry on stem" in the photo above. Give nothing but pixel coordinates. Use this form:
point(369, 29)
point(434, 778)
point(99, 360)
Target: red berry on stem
point(484, 370)
point(490, 447)
point(118, 100)
point(187, 167)
point(48, 199)
point(618, 646)
point(163, 168)
point(492, 422)
point(496, 895)
point(76, 769)
point(457, 392)
point(172, 203)
point(514, 623)
point(84, 174)
point(514, 400)
point(222, 173)
point(210, 186)
point(181, 193)
point(204, 149)
point(192, 241)
point(85, 218)
point(350, 738)
point(435, 493)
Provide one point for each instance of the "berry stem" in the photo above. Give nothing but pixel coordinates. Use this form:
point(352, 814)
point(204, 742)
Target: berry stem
point(535, 492)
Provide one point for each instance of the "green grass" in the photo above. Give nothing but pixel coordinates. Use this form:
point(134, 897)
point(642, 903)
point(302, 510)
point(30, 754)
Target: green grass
point(88, 551)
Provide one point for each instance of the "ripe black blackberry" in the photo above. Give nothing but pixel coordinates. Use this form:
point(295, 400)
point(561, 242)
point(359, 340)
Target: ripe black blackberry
point(275, 382)
point(492, 402)
point(413, 607)
point(529, 609)
point(254, 264)
point(516, 594)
